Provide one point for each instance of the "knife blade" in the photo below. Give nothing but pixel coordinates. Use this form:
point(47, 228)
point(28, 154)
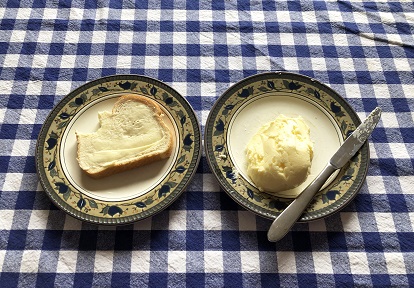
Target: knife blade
point(282, 224)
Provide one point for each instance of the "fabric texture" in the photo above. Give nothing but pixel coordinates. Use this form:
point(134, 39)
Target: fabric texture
point(362, 49)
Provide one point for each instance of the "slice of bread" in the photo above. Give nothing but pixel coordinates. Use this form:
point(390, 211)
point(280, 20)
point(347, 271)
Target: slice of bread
point(132, 135)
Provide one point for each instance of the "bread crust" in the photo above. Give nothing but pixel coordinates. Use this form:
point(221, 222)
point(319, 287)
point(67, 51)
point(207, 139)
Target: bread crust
point(140, 161)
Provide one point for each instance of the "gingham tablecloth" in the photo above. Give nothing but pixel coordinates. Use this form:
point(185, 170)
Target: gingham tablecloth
point(362, 49)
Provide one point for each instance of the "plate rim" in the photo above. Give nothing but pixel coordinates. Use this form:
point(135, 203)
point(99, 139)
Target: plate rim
point(114, 221)
point(307, 216)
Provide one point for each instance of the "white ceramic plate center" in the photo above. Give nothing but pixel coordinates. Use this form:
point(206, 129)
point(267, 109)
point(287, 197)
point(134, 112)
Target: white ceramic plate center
point(118, 187)
point(325, 133)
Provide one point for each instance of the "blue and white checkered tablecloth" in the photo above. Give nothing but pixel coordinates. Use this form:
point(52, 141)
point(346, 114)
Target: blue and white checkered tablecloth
point(362, 49)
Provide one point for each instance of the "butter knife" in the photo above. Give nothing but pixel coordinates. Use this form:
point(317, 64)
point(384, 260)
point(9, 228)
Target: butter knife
point(282, 224)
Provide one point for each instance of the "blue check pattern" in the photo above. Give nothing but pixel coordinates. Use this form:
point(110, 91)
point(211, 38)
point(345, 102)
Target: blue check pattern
point(362, 49)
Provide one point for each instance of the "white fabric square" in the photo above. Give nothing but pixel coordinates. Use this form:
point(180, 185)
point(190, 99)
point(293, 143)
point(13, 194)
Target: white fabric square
point(335, 16)
point(208, 89)
point(102, 13)
point(411, 216)
point(206, 38)
point(310, 17)
point(39, 61)
point(72, 37)
point(257, 16)
point(358, 263)
point(318, 64)
point(124, 61)
point(283, 16)
point(395, 263)
point(373, 64)
point(96, 61)
point(12, 182)
point(250, 261)
point(154, 15)
point(408, 90)
point(2, 114)
point(76, 13)
point(346, 64)
point(407, 184)
point(389, 120)
point(180, 37)
point(21, 147)
point(180, 87)
point(399, 151)
point(152, 37)
point(372, 151)
point(127, 14)
point(263, 63)
point(286, 262)
point(38, 219)
point(381, 91)
point(235, 63)
point(385, 222)
point(140, 262)
point(322, 263)
point(126, 37)
point(213, 262)
point(231, 15)
point(375, 186)
point(23, 13)
point(212, 220)
point(247, 221)
point(177, 261)
point(210, 183)
point(340, 39)
point(67, 262)
point(179, 15)
point(10, 60)
point(68, 61)
point(179, 62)
point(206, 62)
point(98, 37)
point(2, 256)
point(178, 220)
point(359, 18)
point(6, 219)
point(350, 222)
point(233, 38)
point(151, 62)
point(27, 116)
point(103, 261)
point(291, 63)
point(313, 39)
point(206, 15)
point(30, 261)
point(2, 9)
point(352, 91)
point(402, 64)
point(287, 39)
point(50, 13)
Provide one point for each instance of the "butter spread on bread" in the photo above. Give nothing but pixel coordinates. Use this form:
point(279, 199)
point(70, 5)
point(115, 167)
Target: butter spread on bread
point(132, 135)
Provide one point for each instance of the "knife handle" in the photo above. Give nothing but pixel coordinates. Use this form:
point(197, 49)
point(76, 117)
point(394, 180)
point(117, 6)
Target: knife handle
point(282, 224)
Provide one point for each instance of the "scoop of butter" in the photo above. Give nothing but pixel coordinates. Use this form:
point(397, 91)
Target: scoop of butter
point(279, 155)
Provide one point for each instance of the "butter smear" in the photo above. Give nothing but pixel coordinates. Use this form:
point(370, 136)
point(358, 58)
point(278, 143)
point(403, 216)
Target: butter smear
point(279, 155)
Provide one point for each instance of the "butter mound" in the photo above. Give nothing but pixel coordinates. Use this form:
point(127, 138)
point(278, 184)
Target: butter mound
point(279, 155)
point(132, 135)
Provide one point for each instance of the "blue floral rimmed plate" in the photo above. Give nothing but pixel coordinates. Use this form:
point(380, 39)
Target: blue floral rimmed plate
point(128, 196)
point(258, 99)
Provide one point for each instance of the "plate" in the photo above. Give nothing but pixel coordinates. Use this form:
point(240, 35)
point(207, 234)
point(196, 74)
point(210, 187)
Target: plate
point(128, 196)
point(254, 101)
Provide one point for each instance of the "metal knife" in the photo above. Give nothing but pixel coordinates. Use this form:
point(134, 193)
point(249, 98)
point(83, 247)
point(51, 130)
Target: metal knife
point(282, 224)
